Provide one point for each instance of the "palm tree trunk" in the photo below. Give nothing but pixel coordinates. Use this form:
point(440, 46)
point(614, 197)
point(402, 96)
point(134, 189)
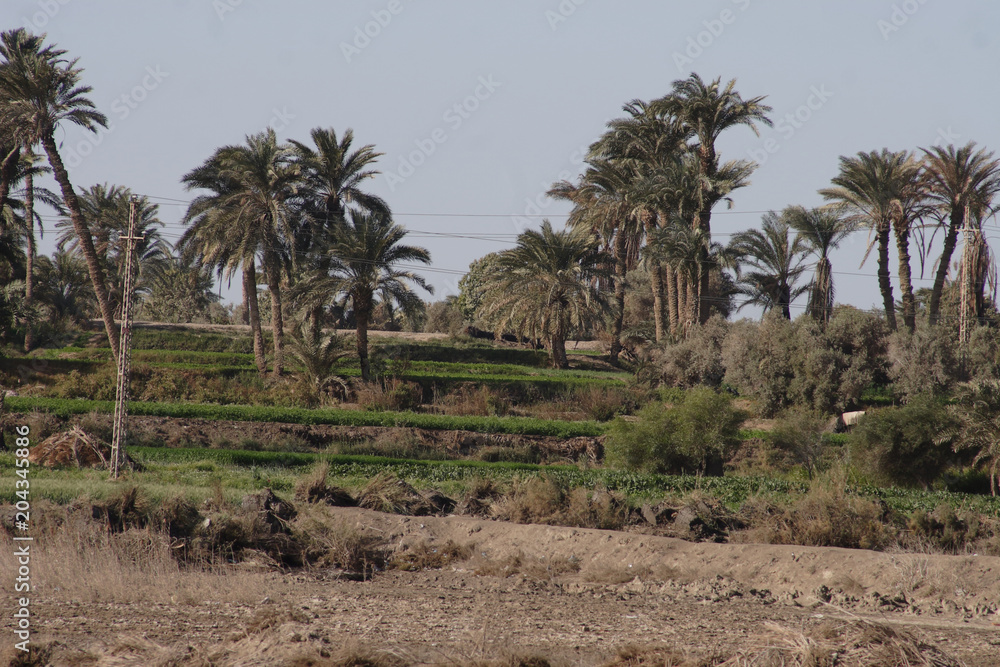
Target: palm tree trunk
point(29, 273)
point(86, 241)
point(884, 283)
point(681, 298)
point(362, 313)
point(905, 281)
point(8, 168)
point(253, 313)
point(824, 280)
point(980, 271)
point(955, 223)
point(671, 283)
point(316, 321)
point(656, 281)
point(246, 305)
point(620, 271)
point(277, 322)
point(693, 285)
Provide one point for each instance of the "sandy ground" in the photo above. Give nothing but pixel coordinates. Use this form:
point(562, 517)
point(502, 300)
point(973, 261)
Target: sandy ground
point(621, 589)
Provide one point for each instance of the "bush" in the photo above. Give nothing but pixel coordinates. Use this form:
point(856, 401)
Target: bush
point(924, 361)
point(445, 317)
point(799, 436)
point(758, 360)
point(697, 360)
point(391, 394)
point(696, 435)
point(906, 446)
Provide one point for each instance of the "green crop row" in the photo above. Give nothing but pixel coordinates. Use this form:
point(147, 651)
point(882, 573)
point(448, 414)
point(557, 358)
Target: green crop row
point(731, 490)
point(510, 425)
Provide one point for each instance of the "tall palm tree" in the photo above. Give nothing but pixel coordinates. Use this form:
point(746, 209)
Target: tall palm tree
point(365, 259)
point(961, 182)
point(775, 257)
point(648, 147)
point(881, 190)
point(547, 286)
point(253, 213)
point(332, 175)
point(602, 207)
point(708, 109)
point(106, 210)
point(40, 90)
point(29, 194)
point(821, 231)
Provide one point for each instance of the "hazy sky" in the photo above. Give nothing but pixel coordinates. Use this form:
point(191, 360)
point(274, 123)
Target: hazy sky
point(480, 106)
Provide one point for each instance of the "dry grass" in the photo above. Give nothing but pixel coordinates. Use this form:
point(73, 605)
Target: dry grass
point(657, 656)
point(854, 644)
point(824, 517)
point(387, 493)
point(542, 500)
point(337, 543)
point(84, 561)
point(312, 488)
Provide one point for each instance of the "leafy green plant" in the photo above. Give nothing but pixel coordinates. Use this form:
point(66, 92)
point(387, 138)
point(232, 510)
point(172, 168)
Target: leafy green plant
point(696, 435)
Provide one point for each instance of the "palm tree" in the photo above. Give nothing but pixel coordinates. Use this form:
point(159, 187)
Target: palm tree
point(776, 259)
point(881, 190)
point(332, 175)
point(546, 286)
point(214, 240)
point(20, 207)
point(962, 183)
point(252, 213)
point(365, 259)
point(601, 206)
point(41, 89)
point(707, 110)
point(178, 290)
point(106, 210)
point(979, 425)
point(62, 285)
point(821, 231)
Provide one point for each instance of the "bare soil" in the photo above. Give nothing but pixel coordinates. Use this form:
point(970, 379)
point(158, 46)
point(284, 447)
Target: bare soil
point(573, 596)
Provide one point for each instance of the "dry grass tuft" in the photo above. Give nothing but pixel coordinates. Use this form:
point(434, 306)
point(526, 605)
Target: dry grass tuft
point(824, 517)
point(854, 644)
point(313, 488)
point(340, 544)
point(657, 656)
point(387, 493)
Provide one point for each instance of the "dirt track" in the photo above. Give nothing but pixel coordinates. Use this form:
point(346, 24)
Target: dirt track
point(704, 599)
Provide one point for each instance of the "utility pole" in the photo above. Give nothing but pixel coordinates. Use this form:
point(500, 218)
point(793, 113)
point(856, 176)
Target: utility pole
point(124, 346)
point(965, 283)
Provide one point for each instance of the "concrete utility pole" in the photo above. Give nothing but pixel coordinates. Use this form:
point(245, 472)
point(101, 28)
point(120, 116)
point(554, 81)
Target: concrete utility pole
point(124, 346)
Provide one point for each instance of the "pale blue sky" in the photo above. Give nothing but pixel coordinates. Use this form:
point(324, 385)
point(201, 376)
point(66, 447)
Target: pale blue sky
point(535, 82)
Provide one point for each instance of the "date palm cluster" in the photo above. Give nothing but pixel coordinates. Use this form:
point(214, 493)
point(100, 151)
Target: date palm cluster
point(293, 215)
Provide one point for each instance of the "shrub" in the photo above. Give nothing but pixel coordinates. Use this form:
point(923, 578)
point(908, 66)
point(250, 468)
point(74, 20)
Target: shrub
point(758, 360)
point(924, 361)
point(604, 403)
point(696, 435)
point(907, 446)
point(391, 394)
point(697, 360)
point(798, 435)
